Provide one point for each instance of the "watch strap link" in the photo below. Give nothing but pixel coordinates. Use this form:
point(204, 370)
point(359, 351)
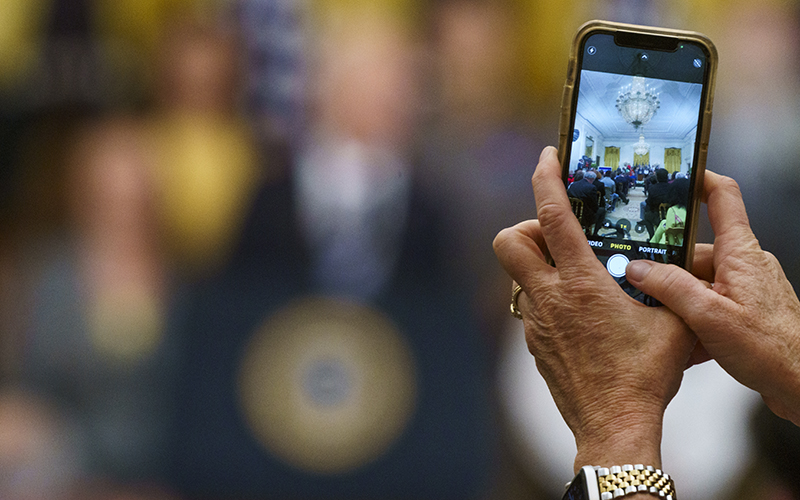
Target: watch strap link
point(623, 480)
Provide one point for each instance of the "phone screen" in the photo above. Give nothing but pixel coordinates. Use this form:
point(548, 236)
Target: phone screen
point(631, 166)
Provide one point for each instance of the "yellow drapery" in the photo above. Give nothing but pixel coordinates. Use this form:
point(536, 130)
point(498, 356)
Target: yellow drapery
point(611, 158)
point(672, 159)
point(641, 159)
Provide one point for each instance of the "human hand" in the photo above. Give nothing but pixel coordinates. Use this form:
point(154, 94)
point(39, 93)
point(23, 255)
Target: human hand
point(611, 363)
point(749, 322)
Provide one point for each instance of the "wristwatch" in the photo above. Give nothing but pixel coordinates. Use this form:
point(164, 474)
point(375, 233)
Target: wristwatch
point(605, 483)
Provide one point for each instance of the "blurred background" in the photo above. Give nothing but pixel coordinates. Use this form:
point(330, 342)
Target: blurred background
point(245, 246)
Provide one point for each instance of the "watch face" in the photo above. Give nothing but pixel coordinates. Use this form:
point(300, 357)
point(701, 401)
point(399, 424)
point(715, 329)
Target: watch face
point(584, 486)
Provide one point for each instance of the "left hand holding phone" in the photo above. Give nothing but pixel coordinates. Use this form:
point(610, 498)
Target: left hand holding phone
point(749, 322)
point(611, 363)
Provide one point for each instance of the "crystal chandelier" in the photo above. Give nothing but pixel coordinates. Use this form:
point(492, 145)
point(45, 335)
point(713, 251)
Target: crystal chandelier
point(636, 103)
point(641, 148)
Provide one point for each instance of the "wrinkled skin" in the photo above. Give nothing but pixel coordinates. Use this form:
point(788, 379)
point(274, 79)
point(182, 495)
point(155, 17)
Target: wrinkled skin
point(750, 321)
point(611, 363)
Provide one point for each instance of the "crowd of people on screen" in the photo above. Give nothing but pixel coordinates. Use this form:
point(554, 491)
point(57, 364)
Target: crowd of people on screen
point(600, 190)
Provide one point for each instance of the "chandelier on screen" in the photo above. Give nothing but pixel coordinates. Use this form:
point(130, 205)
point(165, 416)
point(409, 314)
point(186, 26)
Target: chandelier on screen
point(637, 103)
point(641, 148)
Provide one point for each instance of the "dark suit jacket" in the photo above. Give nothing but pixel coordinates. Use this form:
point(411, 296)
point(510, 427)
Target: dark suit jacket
point(217, 457)
point(657, 194)
point(586, 192)
point(601, 188)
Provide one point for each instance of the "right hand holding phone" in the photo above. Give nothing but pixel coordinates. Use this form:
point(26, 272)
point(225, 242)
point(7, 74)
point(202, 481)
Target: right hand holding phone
point(749, 321)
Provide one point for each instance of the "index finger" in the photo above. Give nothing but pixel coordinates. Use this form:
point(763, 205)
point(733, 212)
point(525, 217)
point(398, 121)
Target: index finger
point(726, 210)
point(520, 251)
point(560, 228)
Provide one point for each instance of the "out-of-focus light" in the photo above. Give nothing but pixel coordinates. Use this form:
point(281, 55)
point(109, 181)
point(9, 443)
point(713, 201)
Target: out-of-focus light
point(328, 386)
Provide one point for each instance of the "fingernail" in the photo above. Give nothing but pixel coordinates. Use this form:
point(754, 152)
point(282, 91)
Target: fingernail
point(549, 150)
point(637, 270)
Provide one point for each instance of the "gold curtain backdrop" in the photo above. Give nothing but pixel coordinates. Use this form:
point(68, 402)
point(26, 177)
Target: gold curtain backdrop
point(672, 159)
point(612, 157)
point(641, 159)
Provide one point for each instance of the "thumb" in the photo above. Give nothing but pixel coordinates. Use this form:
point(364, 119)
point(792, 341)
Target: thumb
point(676, 288)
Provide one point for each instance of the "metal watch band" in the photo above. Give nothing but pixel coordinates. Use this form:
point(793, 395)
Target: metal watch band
point(623, 480)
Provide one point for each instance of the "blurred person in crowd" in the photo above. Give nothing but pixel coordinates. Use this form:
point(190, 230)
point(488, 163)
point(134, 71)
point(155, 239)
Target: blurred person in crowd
point(657, 194)
point(675, 215)
point(594, 213)
point(477, 144)
point(205, 163)
point(755, 131)
point(577, 177)
point(623, 184)
point(94, 305)
point(478, 141)
point(275, 39)
point(39, 456)
point(344, 219)
point(353, 173)
point(611, 189)
point(598, 182)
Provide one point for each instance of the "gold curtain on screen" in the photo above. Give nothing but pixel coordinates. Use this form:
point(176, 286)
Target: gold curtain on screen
point(672, 159)
point(612, 157)
point(641, 159)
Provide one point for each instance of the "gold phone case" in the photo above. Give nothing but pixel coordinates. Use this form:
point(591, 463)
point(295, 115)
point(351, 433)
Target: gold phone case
point(569, 101)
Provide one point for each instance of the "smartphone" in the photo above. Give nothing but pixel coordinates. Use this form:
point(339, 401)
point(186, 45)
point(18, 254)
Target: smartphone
point(633, 138)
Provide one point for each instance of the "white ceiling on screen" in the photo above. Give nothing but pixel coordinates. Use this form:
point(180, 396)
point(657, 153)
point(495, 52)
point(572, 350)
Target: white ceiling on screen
point(677, 116)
